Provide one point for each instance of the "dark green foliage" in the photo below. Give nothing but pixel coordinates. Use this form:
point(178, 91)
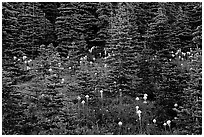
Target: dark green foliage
point(77, 68)
point(9, 28)
point(33, 28)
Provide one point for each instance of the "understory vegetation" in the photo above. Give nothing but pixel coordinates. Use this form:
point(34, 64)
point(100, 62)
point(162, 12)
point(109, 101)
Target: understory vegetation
point(101, 68)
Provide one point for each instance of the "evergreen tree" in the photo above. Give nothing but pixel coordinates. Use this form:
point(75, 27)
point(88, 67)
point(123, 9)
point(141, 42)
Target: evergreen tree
point(33, 28)
point(51, 13)
point(121, 53)
point(9, 28)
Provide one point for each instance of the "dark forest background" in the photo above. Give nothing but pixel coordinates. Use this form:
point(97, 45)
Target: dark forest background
point(125, 49)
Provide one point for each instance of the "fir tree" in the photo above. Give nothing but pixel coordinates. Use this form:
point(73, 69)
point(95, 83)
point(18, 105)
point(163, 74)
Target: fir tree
point(10, 28)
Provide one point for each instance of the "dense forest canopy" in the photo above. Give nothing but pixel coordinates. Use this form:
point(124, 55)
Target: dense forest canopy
point(77, 67)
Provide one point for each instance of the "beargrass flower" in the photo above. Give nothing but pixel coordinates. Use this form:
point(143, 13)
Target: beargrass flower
point(175, 118)
point(87, 96)
point(79, 98)
point(29, 60)
point(50, 69)
point(83, 102)
point(101, 91)
point(145, 95)
point(154, 121)
point(176, 105)
point(168, 122)
point(145, 98)
point(120, 123)
point(139, 113)
point(28, 68)
point(164, 124)
point(137, 108)
point(24, 57)
point(14, 57)
point(137, 98)
point(62, 80)
point(59, 64)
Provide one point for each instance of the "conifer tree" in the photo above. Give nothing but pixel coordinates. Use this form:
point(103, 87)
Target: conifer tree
point(122, 55)
point(33, 28)
point(9, 28)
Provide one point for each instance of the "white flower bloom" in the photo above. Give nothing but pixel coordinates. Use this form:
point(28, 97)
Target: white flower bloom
point(28, 68)
point(137, 98)
point(59, 64)
point(168, 122)
point(120, 123)
point(105, 65)
point(25, 61)
point(70, 67)
point(50, 69)
point(83, 102)
point(176, 105)
point(24, 57)
point(101, 91)
point(85, 57)
point(145, 95)
point(87, 96)
point(14, 57)
point(139, 113)
point(154, 121)
point(137, 108)
point(164, 124)
point(19, 59)
point(79, 98)
point(29, 60)
point(145, 98)
point(62, 80)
